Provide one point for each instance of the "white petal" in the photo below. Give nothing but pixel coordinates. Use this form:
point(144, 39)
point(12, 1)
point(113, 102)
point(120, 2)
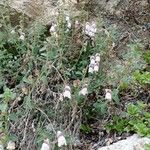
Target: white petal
point(84, 91)
point(45, 146)
point(91, 69)
point(1, 147)
point(67, 18)
point(61, 141)
point(12, 32)
point(22, 37)
point(92, 61)
point(11, 145)
point(96, 68)
point(108, 96)
point(90, 29)
point(69, 24)
point(67, 88)
point(67, 94)
point(97, 59)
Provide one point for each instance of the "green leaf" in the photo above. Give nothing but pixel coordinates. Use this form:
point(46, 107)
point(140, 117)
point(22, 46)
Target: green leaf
point(3, 107)
point(13, 117)
point(27, 80)
point(132, 109)
point(85, 128)
point(115, 97)
point(147, 147)
point(142, 129)
point(8, 95)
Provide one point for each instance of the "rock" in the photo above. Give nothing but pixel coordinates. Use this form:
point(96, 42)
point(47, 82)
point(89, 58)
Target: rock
point(134, 142)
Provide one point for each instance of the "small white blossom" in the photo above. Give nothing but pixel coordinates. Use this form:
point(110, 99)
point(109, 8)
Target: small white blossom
point(11, 145)
point(90, 29)
point(96, 67)
point(45, 145)
point(76, 24)
point(53, 28)
point(91, 68)
point(92, 60)
point(1, 147)
point(12, 32)
point(22, 37)
point(61, 97)
point(61, 139)
point(84, 90)
point(67, 92)
point(108, 95)
point(97, 57)
point(68, 22)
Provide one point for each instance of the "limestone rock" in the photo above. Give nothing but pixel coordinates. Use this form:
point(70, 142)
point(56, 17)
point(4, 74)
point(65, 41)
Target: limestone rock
point(131, 143)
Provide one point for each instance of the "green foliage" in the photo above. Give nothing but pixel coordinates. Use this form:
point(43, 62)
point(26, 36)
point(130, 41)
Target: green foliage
point(85, 128)
point(137, 119)
point(147, 147)
point(142, 77)
point(147, 57)
point(100, 108)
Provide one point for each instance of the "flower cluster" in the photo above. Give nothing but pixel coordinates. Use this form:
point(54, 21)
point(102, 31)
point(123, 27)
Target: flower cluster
point(67, 91)
point(61, 141)
point(90, 29)
point(68, 21)
point(94, 63)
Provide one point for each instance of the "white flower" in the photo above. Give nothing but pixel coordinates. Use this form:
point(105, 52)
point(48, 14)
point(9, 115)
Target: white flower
point(61, 139)
point(67, 92)
point(76, 23)
point(96, 67)
point(67, 18)
point(84, 90)
point(108, 95)
point(22, 37)
point(53, 28)
point(61, 97)
point(1, 147)
point(97, 57)
point(68, 22)
point(91, 68)
point(11, 145)
point(90, 29)
point(45, 145)
point(92, 60)
point(12, 32)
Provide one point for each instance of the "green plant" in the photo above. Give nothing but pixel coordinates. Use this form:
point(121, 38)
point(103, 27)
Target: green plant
point(142, 77)
point(147, 147)
point(137, 119)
